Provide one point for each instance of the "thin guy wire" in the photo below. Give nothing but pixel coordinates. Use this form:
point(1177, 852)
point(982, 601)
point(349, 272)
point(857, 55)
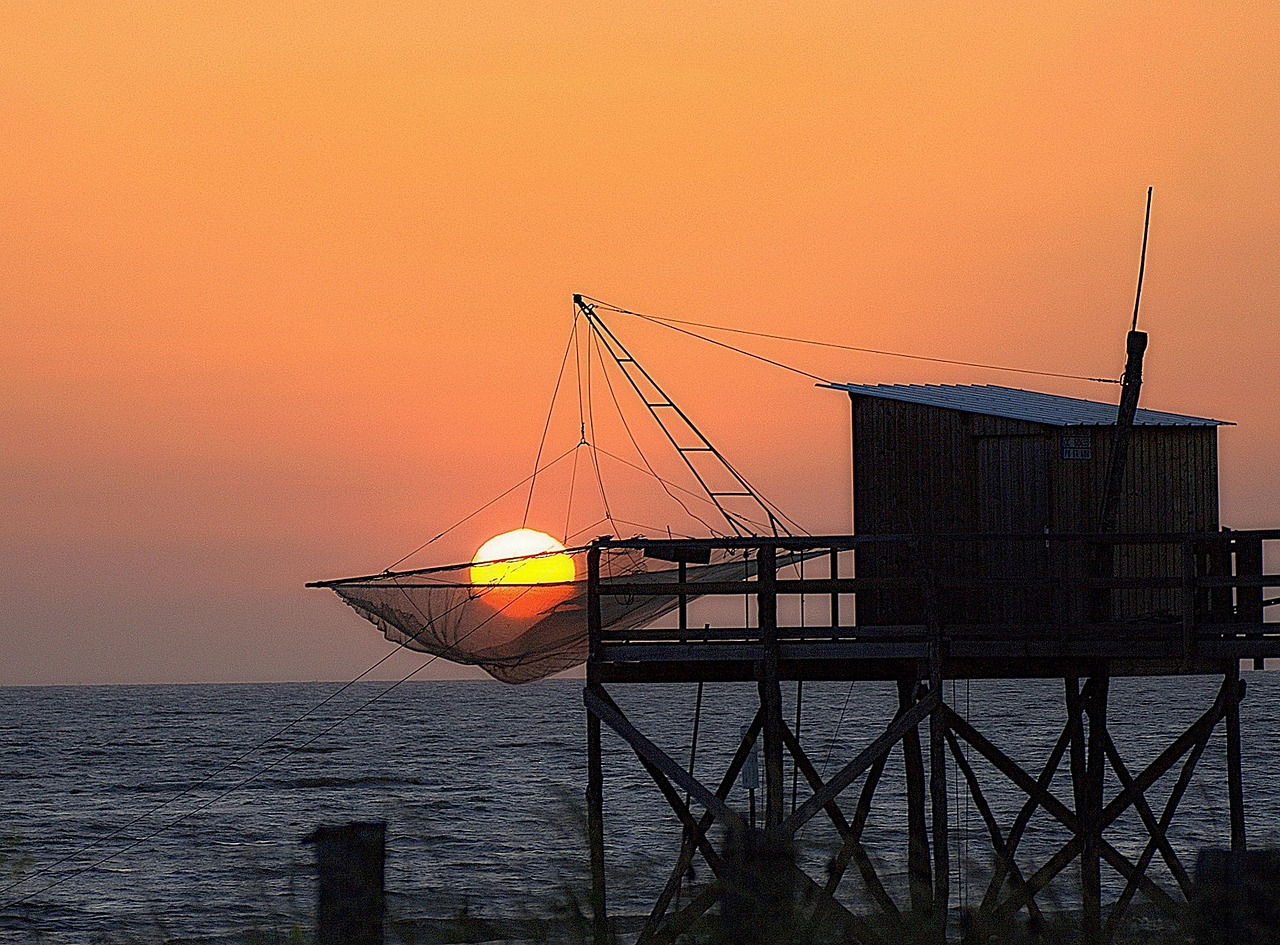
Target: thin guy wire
point(770, 508)
point(591, 423)
point(607, 336)
point(671, 322)
point(832, 744)
point(577, 377)
point(568, 505)
point(533, 480)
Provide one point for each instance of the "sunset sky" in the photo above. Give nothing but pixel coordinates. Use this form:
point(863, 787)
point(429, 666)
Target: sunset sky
point(285, 286)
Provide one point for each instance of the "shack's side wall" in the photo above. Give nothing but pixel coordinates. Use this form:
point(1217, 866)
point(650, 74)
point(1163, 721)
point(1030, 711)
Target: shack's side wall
point(914, 473)
point(1170, 484)
point(921, 470)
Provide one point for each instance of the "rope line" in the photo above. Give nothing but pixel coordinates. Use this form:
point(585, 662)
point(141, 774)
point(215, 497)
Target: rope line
point(839, 722)
point(673, 322)
point(533, 479)
point(613, 394)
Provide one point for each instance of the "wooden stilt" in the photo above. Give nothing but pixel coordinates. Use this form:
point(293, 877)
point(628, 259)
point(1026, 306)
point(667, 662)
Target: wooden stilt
point(650, 930)
point(1235, 783)
point(1095, 707)
point(850, 834)
point(1090, 876)
point(938, 797)
point(1166, 818)
point(992, 895)
point(595, 829)
point(998, 844)
point(919, 872)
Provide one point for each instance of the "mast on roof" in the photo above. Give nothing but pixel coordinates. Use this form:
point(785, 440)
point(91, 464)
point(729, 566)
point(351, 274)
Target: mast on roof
point(1135, 348)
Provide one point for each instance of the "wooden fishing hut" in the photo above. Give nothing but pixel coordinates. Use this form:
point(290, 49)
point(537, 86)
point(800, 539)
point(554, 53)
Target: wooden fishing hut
point(943, 459)
point(985, 547)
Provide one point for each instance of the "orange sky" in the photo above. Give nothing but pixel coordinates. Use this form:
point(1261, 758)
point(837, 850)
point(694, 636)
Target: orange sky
point(285, 286)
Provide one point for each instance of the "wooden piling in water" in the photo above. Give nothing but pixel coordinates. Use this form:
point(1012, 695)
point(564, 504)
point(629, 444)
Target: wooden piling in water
point(350, 894)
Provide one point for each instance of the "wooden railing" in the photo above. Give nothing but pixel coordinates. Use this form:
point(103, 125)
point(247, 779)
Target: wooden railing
point(1173, 595)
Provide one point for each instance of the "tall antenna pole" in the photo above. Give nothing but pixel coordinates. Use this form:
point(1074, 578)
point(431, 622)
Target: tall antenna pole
point(1135, 348)
point(1142, 265)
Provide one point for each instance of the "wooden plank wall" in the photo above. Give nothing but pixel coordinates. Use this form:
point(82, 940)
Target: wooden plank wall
point(915, 473)
point(928, 470)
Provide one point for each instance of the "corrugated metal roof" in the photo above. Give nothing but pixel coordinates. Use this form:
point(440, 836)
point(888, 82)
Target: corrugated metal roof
point(1014, 404)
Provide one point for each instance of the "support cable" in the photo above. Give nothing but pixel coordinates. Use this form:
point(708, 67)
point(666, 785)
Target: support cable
point(533, 480)
point(679, 488)
point(568, 505)
point(839, 722)
point(466, 518)
point(644, 459)
point(672, 322)
point(778, 520)
point(591, 425)
point(623, 357)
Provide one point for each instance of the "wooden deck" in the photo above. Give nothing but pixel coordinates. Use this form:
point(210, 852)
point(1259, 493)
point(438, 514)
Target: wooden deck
point(1202, 601)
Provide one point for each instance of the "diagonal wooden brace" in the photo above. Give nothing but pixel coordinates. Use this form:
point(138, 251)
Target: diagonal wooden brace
point(607, 712)
point(865, 758)
point(704, 824)
point(851, 835)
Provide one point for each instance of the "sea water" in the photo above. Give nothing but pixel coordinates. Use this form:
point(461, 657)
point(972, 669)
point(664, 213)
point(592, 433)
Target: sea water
point(163, 813)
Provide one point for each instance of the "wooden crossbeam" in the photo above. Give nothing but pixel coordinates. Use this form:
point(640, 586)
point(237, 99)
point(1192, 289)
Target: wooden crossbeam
point(680, 922)
point(1038, 880)
point(1167, 758)
point(695, 833)
point(984, 810)
point(856, 928)
point(851, 837)
point(1122, 865)
point(1020, 822)
point(858, 853)
point(864, 759)
point(606, 710)
point(1011, 770)
point(1154, 829)
point(704, 824)
point(1197, 732)
point(1166, 818)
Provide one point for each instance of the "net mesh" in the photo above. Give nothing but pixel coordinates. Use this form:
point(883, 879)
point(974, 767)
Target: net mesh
point(517, 632)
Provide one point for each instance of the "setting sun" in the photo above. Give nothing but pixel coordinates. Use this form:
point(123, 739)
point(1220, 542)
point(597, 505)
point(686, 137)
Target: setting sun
point(509, 563)
point(523, 556)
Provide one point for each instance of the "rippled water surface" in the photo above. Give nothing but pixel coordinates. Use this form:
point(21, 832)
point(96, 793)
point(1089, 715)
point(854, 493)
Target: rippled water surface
point(480, 785)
